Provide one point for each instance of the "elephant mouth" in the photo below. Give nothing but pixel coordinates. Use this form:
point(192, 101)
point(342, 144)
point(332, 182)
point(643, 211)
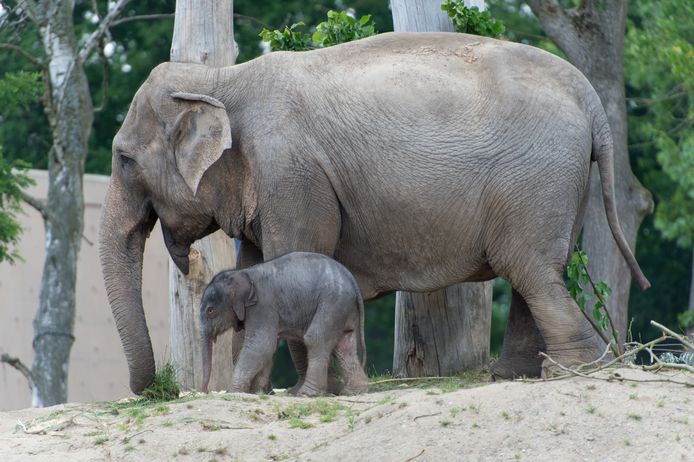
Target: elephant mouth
point(182, 262)
point(179, 251)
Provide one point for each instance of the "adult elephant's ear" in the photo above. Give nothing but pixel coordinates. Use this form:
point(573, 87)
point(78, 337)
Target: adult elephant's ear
point(200, 135)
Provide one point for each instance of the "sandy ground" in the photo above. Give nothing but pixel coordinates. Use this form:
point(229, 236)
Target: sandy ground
point(568, 420)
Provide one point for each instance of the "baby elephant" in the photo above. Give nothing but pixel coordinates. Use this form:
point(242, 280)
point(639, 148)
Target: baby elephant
point(302, 296)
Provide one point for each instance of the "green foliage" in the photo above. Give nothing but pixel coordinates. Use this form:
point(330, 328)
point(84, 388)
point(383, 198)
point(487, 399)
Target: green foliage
point(164, 387)
point(289, 39)
point(340, 27)
point(18, 91)
point(659, 69)
point(577, 279)
point(660, 63)
point(13, 177)
point(472, 20)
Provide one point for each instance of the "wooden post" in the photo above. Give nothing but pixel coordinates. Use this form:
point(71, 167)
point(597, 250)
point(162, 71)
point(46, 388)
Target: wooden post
point(444, 332)
point(203, 34)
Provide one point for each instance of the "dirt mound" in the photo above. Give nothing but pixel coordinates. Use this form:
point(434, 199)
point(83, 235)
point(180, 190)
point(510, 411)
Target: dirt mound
point(572, 419)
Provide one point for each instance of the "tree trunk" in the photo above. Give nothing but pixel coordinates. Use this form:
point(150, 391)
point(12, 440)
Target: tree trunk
point(690, 329)
point(69, 108)
point(203, 34)
point(592, 37)
point(443, 332)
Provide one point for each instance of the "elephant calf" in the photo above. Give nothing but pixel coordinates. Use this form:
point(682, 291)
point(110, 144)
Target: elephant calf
point(300, 296)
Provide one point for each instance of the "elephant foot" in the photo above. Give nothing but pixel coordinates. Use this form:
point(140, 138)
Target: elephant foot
point(295, 389)
point(354, 389)
point(309, 391)
point(564, 360)
point(508, 368)
point(335, 385)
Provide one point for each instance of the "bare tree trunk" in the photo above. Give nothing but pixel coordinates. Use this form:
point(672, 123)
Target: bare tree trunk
point(690, 330)
point(444, 332)
point(592, 37)
point(204, 34)
point(69, 108)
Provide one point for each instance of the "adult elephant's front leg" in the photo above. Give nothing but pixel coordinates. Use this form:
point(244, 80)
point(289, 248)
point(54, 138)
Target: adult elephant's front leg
point(248, 255)
point(522, 343)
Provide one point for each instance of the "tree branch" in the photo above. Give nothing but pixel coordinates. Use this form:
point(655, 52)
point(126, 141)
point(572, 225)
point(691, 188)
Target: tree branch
point(252, 19)
point(143, 17)
point(101, 30)
point(556, 24)
point(19, 365)
point(17, 49)
point(36, 204)
point(104, 77)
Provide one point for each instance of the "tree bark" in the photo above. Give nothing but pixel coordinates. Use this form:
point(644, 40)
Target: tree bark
point(68, 104)
point(203, 34)
point(448, 331)
point(592, 37)
point(690, 330)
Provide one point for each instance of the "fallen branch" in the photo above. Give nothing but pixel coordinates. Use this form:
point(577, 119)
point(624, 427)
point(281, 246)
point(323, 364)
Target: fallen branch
point(681, 338)
point(658, 365)
point(408, 379)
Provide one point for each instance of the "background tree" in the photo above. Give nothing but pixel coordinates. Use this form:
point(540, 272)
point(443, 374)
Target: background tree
point(68, 107)
point(203, 34)
point(444, 332)
point(591, 35)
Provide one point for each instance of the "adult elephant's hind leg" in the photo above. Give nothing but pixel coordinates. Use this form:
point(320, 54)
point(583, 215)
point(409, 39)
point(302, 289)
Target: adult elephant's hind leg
point(522, 344)
point(569, 339)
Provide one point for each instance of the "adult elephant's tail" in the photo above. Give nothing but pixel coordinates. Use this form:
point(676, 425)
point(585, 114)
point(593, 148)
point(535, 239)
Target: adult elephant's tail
point(603, 153)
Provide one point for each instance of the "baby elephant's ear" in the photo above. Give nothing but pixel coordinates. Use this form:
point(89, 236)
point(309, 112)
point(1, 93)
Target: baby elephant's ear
point(200, 136)
point(244, 296)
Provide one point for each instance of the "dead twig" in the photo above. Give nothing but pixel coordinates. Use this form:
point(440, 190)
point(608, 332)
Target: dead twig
point(425, 415)
point(414, 457)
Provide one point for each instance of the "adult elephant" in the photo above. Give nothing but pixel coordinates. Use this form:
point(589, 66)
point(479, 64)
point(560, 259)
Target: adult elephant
point(416, 160)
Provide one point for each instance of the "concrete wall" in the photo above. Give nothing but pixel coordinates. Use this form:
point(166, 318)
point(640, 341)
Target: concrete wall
point(98, 370)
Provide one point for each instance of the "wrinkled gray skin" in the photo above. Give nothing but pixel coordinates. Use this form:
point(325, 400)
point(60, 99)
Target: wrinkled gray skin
point(306, 297)
point(416, 160)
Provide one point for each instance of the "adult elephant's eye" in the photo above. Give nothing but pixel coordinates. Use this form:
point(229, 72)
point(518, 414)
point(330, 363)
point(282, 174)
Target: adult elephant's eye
point(126, 163)
point(210, 311)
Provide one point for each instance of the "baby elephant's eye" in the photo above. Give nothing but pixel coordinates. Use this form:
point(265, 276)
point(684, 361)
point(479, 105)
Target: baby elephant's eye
point(210, 311)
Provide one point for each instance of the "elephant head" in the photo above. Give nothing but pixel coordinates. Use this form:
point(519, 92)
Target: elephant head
point(162, 169)
point(223, 306)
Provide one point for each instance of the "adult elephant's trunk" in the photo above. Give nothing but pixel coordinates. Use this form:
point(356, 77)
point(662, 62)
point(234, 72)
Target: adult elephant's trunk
point(125, 225)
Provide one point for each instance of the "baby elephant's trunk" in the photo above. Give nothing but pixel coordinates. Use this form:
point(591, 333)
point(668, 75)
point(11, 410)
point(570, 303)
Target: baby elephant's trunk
point(206, 362)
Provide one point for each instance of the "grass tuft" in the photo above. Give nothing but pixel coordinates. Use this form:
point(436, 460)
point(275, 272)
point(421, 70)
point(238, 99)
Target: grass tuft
point(164, 387)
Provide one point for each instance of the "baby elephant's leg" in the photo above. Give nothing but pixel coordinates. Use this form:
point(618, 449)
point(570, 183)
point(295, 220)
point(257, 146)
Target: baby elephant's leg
point(253, 360)
point(346, 353)
point(297, 350)
point(262, 383)
point(318, 349)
